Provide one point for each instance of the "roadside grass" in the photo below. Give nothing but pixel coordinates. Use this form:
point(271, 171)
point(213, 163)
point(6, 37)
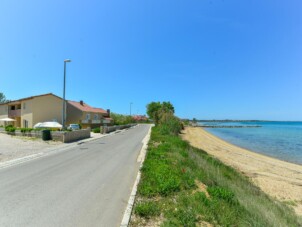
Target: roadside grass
point(185, 187)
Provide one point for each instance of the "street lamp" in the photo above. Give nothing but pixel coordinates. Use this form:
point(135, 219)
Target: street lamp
point(64, 102)
point(130, 107)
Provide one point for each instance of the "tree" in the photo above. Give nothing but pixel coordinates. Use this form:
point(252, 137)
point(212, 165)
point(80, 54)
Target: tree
point(167, 107)
point(153, 109)
point(120, 119)
point(156, 109)
point(3, 98)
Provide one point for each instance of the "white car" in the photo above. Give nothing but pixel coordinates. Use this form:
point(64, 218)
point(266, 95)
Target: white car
point(74, 127)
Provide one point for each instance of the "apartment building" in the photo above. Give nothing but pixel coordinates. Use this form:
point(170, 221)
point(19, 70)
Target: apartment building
point(28, 111)
point(48, 107)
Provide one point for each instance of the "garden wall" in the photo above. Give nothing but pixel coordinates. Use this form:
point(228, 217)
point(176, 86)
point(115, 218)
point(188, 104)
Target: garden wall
point(108, 129)
point(64, 137)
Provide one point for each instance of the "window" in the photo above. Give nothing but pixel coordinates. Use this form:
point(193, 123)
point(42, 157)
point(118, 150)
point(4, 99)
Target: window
point(96, 117)
point(87, 116)
point(25, 123)
point(24, 106)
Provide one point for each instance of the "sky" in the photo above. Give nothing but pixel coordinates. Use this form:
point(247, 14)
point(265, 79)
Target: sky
point(212, 59)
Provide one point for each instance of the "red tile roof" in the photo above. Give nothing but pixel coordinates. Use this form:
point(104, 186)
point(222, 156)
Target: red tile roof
point(87, 108)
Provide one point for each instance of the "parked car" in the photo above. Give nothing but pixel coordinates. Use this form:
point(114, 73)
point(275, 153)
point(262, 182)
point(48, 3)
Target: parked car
point(74, 127)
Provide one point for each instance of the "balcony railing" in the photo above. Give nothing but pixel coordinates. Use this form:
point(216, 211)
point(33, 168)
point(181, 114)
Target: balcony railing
point(85, 121)
point(14, 113)
point(96, 121)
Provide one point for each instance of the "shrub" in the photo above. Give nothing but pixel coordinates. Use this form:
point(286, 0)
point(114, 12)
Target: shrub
point(120, 119)
point(96, 130)
point(10, 128)
point(169, 124)
point(23, 130)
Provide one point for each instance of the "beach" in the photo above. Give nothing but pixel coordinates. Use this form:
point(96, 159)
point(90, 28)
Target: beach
point(279, 179)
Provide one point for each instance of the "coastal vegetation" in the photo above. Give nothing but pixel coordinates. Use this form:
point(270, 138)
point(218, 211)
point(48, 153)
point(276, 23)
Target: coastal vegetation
point(156, 109)
point(184, 186)
point(3, 98)
point(120, 119)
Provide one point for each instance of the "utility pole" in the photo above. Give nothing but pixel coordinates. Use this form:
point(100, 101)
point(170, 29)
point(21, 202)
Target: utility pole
point(64, 101)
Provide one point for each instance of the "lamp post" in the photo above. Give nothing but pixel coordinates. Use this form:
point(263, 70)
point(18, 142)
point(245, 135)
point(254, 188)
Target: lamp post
point(130, 107)
point(64, 101)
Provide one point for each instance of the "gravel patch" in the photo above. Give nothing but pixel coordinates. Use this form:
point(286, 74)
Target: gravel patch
point(13, 147)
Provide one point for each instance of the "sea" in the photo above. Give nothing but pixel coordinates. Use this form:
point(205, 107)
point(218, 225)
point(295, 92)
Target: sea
point(281, 140)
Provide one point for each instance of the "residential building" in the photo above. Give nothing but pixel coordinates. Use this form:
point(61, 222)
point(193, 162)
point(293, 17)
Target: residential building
point(48, 107)
point(140, 118)
point(87, 116)
point(28, 111)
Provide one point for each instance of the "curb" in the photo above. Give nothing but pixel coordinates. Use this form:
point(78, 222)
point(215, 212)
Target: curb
point(141, 159)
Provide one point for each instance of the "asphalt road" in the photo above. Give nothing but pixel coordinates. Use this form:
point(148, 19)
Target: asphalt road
point(86, 185)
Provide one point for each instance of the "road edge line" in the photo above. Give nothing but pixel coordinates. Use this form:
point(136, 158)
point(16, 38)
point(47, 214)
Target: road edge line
point(142, 154)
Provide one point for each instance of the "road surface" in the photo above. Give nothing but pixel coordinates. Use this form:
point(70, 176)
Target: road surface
point(86, 185)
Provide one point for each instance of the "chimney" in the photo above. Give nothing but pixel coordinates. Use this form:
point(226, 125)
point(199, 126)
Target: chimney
point(108, 112)
point(81, 102)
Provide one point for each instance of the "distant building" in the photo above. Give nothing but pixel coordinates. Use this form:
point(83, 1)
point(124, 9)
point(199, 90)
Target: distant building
point(87, 116)
point(140, 118)
point(48, 107)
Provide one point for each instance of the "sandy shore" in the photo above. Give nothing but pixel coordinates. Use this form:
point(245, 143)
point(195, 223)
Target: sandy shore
point(277, 178)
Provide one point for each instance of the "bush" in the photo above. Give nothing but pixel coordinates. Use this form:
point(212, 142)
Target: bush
point(169, 124)
point(10, 128)
point(120, 119)
point(96, 130)
point(24, 130)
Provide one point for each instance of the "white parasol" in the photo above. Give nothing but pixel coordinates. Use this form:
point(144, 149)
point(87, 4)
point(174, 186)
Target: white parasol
point(7, 119)
point(49, 124)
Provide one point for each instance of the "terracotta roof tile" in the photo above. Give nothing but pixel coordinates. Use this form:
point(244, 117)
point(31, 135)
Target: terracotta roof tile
point(86, 108)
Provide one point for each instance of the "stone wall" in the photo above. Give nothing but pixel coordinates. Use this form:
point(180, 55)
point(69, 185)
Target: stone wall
point(76, 135)
point(64, 137)
point(108, 129)
point(57, 136)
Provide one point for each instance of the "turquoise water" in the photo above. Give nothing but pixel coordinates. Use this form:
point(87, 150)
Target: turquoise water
point(282, 140)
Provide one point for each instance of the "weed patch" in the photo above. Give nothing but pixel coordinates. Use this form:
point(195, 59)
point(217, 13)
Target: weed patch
point(147, 209)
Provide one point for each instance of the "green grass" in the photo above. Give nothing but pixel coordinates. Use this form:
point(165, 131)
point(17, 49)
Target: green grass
point(147, 209)
point(168, 189)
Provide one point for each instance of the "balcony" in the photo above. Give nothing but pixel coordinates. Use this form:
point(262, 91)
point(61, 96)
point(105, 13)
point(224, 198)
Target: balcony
point(14, 113)
point(85, 121)
point(96, 121)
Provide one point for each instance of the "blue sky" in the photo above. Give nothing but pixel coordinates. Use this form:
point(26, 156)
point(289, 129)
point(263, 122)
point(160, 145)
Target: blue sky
point(212, 59)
